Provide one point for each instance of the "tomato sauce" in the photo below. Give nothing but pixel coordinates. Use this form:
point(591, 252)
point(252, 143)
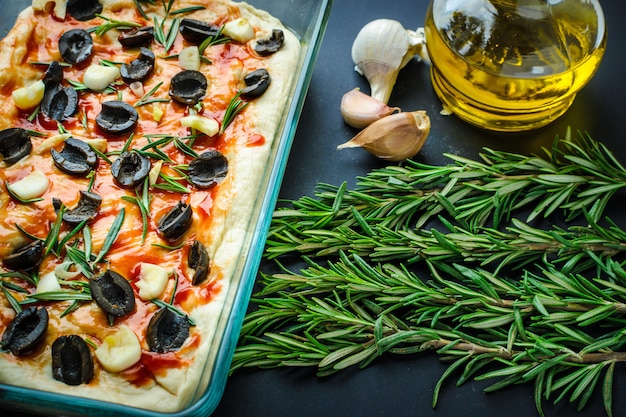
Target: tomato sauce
point(228, 63)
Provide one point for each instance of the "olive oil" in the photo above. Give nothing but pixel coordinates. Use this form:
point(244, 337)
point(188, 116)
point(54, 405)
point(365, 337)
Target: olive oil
point(513, 65)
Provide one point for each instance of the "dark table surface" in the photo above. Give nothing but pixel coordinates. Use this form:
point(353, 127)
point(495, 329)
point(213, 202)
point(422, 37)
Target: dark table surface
point(403, 386)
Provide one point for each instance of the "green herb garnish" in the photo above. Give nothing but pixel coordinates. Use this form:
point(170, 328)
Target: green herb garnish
point(111, 24)
point(497, 297)
point(147, 98)
point(235, 107)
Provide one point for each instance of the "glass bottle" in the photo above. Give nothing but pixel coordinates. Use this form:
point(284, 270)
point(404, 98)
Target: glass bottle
point(512, 65)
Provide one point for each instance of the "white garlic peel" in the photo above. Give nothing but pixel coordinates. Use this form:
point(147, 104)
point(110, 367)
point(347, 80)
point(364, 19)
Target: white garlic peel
point(396, 138)
point(380, 50)
point(360, 110)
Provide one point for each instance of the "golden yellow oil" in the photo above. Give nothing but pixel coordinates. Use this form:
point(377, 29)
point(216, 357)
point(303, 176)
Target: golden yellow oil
point(513, 65)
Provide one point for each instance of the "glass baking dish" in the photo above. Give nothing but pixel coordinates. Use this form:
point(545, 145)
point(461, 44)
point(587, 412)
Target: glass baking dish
point(307, 19)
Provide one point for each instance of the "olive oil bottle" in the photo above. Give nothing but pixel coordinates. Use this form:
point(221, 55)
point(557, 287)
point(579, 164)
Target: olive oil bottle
point(511, 65)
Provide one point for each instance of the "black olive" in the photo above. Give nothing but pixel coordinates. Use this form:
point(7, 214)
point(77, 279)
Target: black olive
point(59, 103)
point(265, 47)
point(167, 331)
point(26, 330)
point(130, 169)
point(117, 117)
point(173, 225)
point(196, 31)
point(136, 37)
point(198, 260)
point(256, 83)
point(14, 144)
point(84, 9)
point(208, 169)
point(53, 75)
point(139, 68)
point(71, 360)
point(75, 46)
point(86, 209)
point(76, 157)
point(25, 258)
point(188, 87)
point(112, 292)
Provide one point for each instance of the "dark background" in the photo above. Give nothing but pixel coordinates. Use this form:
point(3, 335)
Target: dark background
point(403, 386)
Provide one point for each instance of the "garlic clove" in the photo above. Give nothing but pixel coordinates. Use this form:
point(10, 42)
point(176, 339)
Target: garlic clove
point(394, 138)
point(381, 48)
point(360, 110)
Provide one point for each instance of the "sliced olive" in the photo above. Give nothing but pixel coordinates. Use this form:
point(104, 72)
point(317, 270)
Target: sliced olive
point(167, 331)
point(265, 47)
point(75, 46)
point(76, 157)
point(139, 68)
point(188, 87)
point(25, 258)
point(196, 31)
point(26, 330)
point(84, 9)
point(198, 260)
point(173, 225)
point(208, 169)
point(53, 75)
point(59, 103)
point(117, 117)
point(130, 169)
point(71, 360)
point(136, 37)
point(86, 209)
point(256, 83)
point(112, 292)
point(14, 144)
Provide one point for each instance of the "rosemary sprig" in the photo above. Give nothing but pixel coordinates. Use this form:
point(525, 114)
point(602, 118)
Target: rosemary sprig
point(78, 86)
point(235, 106)
point(497, 297)
point(572, 177)
point(111, 24)
point(111, 236)
point(166, 39)
point(350, 313)
point(217, 39)
point(171, 183)
point(148, 99)
point(143, 202)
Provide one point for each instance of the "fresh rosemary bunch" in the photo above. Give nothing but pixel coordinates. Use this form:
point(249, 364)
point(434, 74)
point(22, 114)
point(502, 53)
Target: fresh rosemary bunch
point(424, 258)
point(574, 175)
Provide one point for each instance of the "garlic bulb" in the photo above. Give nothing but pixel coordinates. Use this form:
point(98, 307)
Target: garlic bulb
point(395, 138)
point(380, 50)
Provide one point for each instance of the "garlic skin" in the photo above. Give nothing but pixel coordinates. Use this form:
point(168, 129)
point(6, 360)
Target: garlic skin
point(380, 50)
point(395, 138)
point(360, 110)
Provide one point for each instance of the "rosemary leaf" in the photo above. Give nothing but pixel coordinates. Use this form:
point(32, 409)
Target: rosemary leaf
point(235, 106)
point(111, 236)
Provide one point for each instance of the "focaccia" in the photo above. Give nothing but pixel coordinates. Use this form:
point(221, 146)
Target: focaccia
point(134, 136)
